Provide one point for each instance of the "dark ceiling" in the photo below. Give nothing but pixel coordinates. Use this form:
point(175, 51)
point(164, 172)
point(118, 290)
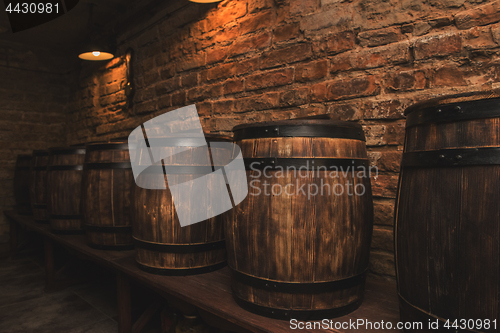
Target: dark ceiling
point(69, 31)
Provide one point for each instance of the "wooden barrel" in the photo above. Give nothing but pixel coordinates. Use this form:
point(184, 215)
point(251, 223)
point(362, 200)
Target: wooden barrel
point(107, 181)
point(298, 245)
point(22, 180)
point(64, 188)
point(162, 245)
point(447, 215)
point(38, 187)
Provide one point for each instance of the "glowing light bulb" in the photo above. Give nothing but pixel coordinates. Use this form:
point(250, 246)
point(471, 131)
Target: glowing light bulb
point(96, 53)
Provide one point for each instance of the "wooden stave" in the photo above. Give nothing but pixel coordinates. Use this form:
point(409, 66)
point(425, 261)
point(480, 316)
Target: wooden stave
point(165, 262)
point(281, 304)
point(106, 214)
point(65, 215)
point(22, 182)
point(38, 186)
point(433, 293)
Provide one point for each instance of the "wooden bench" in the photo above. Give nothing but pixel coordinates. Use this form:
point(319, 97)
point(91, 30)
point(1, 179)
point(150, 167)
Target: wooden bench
point(210, 293)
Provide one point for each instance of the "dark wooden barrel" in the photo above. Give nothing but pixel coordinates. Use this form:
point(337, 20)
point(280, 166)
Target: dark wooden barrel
point(107, 181)
point(22, 180)
point(296, 253)
point(38, 187)
point(447, 215)
point(162, 245)
point(64, 188)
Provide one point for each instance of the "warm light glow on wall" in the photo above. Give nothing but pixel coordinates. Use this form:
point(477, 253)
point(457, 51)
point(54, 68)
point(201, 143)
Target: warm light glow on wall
point(96, 56)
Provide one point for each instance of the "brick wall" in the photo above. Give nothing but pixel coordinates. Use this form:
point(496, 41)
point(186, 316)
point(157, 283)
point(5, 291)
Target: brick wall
point(33, 99)
point(245, 61)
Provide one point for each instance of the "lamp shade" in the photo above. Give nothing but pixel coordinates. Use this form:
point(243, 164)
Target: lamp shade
point(96, 55)
point(96, 52)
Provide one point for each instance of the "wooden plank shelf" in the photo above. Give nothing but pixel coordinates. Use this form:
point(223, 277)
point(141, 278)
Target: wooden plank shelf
point(210, 292)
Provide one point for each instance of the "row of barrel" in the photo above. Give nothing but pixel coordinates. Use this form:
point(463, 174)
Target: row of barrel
point(298, 245)
point(268, 240)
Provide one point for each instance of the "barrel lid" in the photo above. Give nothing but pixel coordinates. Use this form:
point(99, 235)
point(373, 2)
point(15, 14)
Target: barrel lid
point(456, 107)
point(179, 140)
point(300, 128)
point(73, 150)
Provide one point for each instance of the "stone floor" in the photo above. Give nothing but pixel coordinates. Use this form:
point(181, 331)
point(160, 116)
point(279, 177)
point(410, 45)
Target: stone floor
point(85, 307)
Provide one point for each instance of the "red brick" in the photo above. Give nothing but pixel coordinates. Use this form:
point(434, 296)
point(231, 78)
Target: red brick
point(247, 66)
point(449, 76)
point(384, 186)
point(268, 79)
point(481, 15)
point(440, 22)
point(405, 81)
point(199, 27)
point(302, 7)
point(216, 55)
point(147, 107)
point(257, 5)
point(144, 95)
point(345, 111)
point(383, 212)
point(379, 37)
point(383, 238)
point(227, 12)
point(151, 78)
point(179, 98)
point(407, 28)
point(204, 92)
point(257, 102)
point(256, 22)
point(395, 133)
point(319, 92)
point(192, 61)
point(437, 45)
point(223, 106)
point(287, 55)
point(294, 97)
point(222, 71)
point(344, 62)
point(313, 70)
point(286, 32)
point(386, 161)
point(167, 86)
point(226, 36)
point(251, 43)
point(340, 42)
point(389, 109)
point(189, 80)
point(300, 112)
point(390, 161)
point(164, 102)
point(479, 38)
point(421, 28)
point(204, 109)
point(225, 124)
point(167, 72)
point(233, 86)
point(375, 135)
point(162, 59)
point(352, 88)
point(396, 53)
